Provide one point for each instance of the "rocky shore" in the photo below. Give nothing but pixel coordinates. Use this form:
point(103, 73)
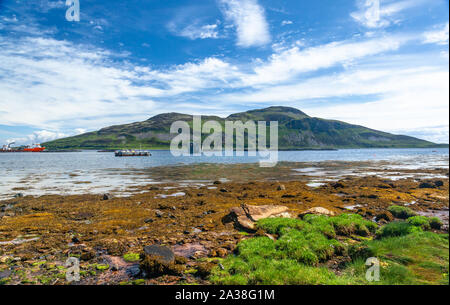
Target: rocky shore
point(178, 233)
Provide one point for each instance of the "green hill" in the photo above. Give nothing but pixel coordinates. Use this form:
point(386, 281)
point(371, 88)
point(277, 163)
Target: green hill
point(297, 130)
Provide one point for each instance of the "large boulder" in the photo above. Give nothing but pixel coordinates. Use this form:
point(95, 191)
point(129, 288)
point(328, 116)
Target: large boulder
point(245, 216)
point(317, 211)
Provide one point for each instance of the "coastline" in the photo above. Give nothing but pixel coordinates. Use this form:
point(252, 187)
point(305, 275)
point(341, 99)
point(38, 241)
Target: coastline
point(102, 149)
point(186, 214)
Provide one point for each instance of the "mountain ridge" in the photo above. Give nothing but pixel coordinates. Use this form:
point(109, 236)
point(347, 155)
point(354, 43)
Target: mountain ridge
point(297, 131)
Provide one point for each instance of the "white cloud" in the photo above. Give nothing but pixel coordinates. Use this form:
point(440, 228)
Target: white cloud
point(289, 63)
point(38, 137)
point(80, 130)
point(54, 84)
point(58, 87)
point(439, 36)
point(435, 134)
point(196, 31)
point(52, 81)
point(286, 22)
point(46, 5)
point(377, 13)
point(202, 32)
point(250, 21)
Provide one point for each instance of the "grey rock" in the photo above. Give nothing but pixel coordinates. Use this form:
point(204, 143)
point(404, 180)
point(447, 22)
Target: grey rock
point(165, 253)
point(133, 270)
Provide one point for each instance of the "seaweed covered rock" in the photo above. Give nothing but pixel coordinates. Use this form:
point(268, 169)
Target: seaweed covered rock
point(245, 216)
point(160, 260)
point(337, 185)
point(426, 185)
point(107, 196)
point(439, 183)
point(87, 254)
point(113, 246)
point(204, 269)
point(385, 215)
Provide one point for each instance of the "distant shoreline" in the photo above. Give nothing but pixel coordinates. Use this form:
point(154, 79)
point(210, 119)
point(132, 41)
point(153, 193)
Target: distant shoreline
point(280, 149)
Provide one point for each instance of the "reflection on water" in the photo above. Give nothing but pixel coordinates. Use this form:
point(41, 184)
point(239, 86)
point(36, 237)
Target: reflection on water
point(94, 172)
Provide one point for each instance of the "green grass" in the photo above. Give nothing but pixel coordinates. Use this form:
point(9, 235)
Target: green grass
point(407, 255)
point(420, 221)
point(411, 225)
point(308, 248)
point(344, 225)
point(347, 224)
point(309, 241)
point(416, 258)
point(276, 225)
point(401, 212)
point(435, 223)
point(258, 246)
point(258, 271)
point(397, 228)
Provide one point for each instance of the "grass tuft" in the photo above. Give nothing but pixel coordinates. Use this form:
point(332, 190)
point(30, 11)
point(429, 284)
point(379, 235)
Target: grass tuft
point(397, 228)
point(435, 223)
point(401, 211)
point(420, 221)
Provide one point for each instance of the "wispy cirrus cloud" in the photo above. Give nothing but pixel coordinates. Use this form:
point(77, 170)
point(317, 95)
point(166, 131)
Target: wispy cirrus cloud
point(250, 21)
point(56, 84)
point(196, 30)
point(382, 13)
point(289, 63)
point(438, 36)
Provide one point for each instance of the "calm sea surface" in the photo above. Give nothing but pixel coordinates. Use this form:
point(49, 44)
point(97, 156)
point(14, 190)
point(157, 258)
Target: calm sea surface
point(42, 173)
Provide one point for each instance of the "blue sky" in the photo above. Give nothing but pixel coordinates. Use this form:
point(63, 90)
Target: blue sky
point(126, 61)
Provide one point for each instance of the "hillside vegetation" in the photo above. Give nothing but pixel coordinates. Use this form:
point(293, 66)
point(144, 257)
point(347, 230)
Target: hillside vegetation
point(297, 130)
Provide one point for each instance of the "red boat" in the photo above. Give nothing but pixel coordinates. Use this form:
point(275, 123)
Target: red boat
point(34, 148)
point(30, 148)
